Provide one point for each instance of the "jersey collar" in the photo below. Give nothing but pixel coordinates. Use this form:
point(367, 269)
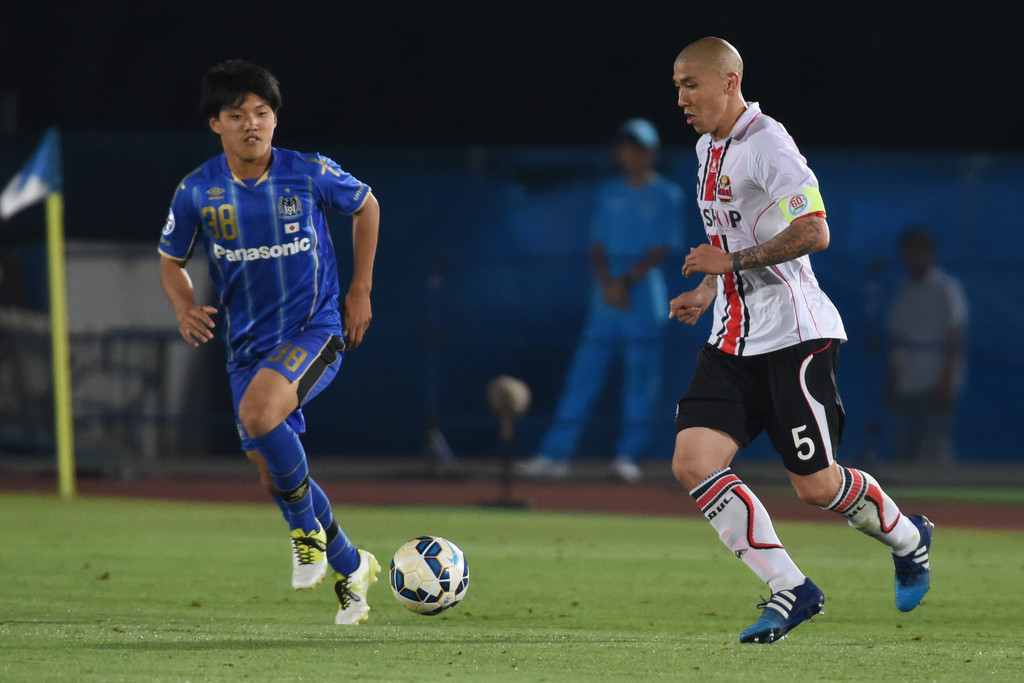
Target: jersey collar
point(261, 179)
point(752, 111)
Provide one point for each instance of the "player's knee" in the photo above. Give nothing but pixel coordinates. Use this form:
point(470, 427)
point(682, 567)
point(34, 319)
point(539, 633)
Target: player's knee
point(699, 453)
point(686, 469)
point(256, 418)
point(680, 470)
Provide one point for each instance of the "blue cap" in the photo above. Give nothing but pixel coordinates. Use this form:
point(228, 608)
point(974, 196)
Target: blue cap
point(640, 131)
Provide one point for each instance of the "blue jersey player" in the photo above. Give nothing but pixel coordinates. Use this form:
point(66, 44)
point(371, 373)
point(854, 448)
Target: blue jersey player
point(259, 213)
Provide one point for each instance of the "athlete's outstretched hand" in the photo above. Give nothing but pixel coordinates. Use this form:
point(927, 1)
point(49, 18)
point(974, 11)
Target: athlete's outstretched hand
point(356, 318)
point(196, 325)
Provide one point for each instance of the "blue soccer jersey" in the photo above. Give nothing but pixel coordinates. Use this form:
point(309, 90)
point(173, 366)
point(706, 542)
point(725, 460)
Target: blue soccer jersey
point(271, 258)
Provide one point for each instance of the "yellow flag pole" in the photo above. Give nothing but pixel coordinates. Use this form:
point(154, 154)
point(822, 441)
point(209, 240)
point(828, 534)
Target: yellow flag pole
point(63, 423)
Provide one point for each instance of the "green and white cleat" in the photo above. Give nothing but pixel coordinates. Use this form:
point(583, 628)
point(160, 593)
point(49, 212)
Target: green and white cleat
point(352, 590)
point(309, 557)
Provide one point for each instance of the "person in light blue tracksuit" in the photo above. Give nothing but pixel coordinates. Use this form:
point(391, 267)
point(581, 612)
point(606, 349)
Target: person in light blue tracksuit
point(636, 222)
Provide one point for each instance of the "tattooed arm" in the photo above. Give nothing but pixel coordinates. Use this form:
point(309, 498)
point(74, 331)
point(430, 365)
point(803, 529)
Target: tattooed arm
point(803, 236)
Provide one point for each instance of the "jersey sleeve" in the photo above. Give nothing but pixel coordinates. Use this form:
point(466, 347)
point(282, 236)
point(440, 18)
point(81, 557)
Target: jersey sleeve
point(183, 225)
point(782, 171)
point(336, 188)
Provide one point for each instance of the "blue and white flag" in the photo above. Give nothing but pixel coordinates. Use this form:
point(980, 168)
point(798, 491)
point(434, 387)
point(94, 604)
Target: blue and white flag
point(38, 178)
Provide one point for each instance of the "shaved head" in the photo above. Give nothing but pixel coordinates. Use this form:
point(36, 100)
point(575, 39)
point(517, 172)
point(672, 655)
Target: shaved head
point(716, 54)
point(707, 75)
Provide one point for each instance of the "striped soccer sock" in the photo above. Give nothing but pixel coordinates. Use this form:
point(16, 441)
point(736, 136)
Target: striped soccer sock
point(341, 554)
point(286, 460)
point(746, 529)
point(870, 510)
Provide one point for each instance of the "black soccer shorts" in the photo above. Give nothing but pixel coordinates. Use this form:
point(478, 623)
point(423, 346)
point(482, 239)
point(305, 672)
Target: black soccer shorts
point(791, 394)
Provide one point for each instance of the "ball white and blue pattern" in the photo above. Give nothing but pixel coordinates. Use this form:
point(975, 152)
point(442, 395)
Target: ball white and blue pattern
point(429, 574)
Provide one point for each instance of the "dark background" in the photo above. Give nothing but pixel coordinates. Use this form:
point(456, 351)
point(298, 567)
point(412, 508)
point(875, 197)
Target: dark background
point(839, 75)
point(481, 127)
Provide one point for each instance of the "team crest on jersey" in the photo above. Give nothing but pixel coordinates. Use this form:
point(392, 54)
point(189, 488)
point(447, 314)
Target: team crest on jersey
point(169, 225)
point(724, 189)
point(215, 193)
point(798, 203)
point(289, 207)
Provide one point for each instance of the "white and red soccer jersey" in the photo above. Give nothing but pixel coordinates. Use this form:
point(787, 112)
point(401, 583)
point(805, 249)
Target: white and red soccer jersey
point(750, 187)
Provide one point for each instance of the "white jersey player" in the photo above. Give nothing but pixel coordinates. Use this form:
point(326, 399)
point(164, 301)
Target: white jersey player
point(770, 363)
point(750, 187)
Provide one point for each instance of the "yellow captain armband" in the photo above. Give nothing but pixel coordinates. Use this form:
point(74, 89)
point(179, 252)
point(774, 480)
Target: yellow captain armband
point(804, 202)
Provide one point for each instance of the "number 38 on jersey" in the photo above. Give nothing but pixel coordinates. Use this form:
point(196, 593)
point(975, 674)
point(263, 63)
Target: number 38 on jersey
point(221, 221)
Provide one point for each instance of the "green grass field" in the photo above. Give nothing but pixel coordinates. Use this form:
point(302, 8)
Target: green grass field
point(114, 589)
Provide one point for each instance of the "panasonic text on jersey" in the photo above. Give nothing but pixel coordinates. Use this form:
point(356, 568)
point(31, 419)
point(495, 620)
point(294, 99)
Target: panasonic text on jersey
point(265, 252)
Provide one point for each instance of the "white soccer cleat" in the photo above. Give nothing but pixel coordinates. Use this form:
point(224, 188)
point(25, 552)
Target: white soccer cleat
point(352, 590)
point(309, 557)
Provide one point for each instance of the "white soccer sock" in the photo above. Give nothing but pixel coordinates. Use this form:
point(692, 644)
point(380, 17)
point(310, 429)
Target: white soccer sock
point(870, 510)
point(746, 529)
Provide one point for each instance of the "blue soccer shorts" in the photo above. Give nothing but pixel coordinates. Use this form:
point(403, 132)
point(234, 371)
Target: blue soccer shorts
point(311, 358)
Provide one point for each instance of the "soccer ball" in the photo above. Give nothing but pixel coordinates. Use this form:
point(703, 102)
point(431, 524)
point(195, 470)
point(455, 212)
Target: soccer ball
point(429, 574)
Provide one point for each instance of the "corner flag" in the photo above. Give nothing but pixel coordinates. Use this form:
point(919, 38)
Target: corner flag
point(40, 176)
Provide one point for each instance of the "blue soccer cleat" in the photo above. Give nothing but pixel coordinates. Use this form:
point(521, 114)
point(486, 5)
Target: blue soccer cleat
point(784, 611)
point(913, 577)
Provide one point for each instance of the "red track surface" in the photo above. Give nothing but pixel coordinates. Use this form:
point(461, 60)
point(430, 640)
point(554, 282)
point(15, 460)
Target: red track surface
point(662, 498)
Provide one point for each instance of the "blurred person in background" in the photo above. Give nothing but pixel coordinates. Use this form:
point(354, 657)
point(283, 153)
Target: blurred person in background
point(636, 222)
point(927, 326)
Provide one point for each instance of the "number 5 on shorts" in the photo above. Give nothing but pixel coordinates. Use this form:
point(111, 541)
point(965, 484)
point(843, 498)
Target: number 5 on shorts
point(801, 441)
